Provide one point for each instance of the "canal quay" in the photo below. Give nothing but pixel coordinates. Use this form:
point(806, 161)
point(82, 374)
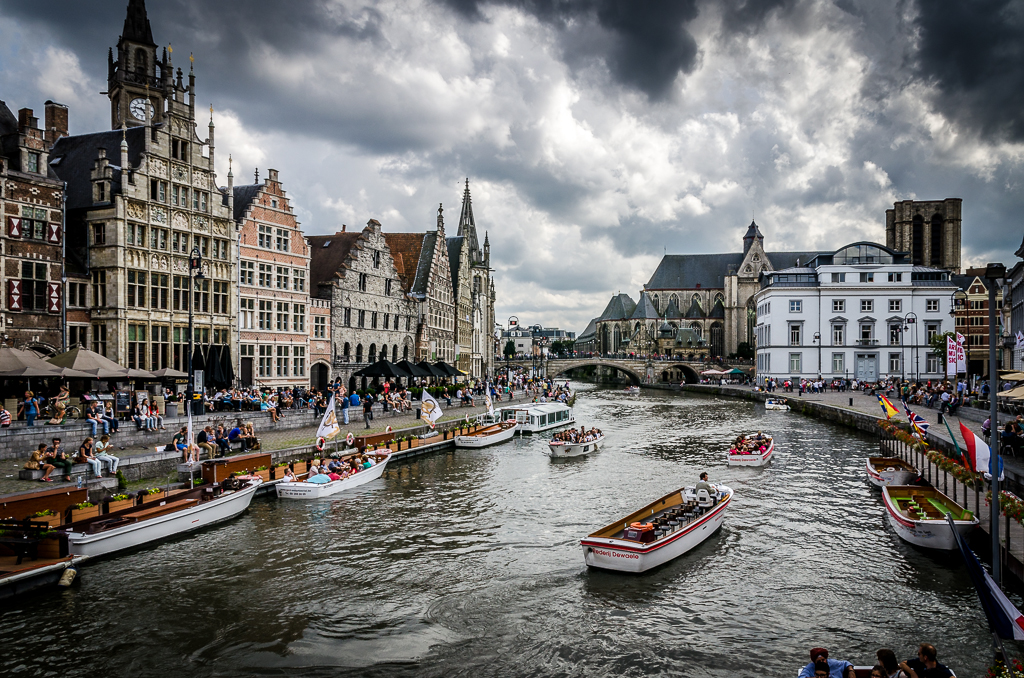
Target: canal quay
point(467, 562)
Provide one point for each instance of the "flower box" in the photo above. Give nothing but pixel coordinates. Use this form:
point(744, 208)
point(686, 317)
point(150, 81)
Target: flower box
point(300, 467)
point(49, 521)
point(149, 498)
point(49, 548)
point(265, 474)
point(119, 505)
point(84, 514)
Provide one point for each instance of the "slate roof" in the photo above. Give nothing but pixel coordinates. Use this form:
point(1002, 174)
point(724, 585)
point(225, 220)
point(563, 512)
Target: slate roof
point(692, 271)
point(327, 253)
point(244, 195)
point(420, 283)
point(620, 307)
point(405, 251)
point(718, 310)
point(695, 311)
point(591, 330)
point(964, 282)
point(672, 311)
point(753, 231)
point(644, 309)
point(8, 121)
point(455, 259)
point(136, 24)
point(684, 334)
point(72, 159)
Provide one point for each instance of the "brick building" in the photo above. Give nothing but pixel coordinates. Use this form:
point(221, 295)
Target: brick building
point(31, 205)
point(972, 319)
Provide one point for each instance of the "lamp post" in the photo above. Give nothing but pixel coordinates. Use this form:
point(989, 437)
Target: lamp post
point(513, 321)
point(817, 341)
point(994, 273)
point(908, 320)
point(195, 273)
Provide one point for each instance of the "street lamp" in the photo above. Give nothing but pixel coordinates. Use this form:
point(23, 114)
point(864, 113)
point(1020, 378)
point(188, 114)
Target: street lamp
point(908, 320)
point(512, 321)
point(195, 273)
point(994, 273)
point(817, 341)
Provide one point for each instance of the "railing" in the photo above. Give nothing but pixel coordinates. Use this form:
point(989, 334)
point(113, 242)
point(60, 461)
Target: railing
point(866, 342)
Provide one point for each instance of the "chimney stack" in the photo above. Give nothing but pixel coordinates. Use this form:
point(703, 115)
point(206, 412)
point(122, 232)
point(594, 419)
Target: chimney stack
point(56, 120)
point(26, 120)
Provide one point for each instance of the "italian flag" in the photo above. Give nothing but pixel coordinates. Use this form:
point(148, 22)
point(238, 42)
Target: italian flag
point(977, 451)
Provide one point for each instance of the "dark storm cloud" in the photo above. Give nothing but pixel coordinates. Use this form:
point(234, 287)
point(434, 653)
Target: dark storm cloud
point(649, 46)
point(973, 51)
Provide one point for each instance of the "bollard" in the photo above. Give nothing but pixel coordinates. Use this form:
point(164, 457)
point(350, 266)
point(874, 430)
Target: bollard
point(940, 417)
point(851, 402)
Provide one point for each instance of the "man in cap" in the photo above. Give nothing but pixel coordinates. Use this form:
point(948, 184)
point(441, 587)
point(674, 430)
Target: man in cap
point(837, 668)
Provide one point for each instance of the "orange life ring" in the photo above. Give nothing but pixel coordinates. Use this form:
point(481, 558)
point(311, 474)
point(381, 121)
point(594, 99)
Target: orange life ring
point(642, 526)
point(320, 442)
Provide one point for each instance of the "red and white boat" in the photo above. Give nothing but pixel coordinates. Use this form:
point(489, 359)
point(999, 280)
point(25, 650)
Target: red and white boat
point(758, 453)
point(884, 471)
point(308, 490)
point(659, 532)
point(918, 514)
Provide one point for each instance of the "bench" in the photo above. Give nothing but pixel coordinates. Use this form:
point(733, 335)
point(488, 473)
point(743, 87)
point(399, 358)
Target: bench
point(161, 509)
point(76, 470)
point(22, 546)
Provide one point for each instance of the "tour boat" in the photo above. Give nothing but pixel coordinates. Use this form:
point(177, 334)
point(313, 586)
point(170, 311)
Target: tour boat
point(138, 525)
point(308, 490)
point(536, 417)
point(633, 390)
point(759, 457)
point(776, 404)
point(489, 435)
point(659, 532)
point(562, 448)
point(884, 471)
point(918, 514)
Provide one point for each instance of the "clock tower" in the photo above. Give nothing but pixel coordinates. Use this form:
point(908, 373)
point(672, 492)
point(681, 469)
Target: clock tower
point(136, 74)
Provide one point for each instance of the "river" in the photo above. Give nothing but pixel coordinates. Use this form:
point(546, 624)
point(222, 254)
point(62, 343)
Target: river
point(467, 563)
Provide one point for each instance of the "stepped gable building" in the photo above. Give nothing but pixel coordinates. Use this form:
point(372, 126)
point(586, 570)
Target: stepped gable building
point(929, 230)
point(31, 200)
point(372, 316)
point(714, 292)
point(474, 294)
point(141, 198)
point(274, 296)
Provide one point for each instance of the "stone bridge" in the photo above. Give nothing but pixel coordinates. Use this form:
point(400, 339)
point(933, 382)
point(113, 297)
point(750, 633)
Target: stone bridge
point(638, 371)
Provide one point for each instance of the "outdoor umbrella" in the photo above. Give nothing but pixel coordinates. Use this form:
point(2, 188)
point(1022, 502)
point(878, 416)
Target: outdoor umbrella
point(382, 368)
point(95, 366)
point(167, 372)
point(433, 369)
point(225, 365)
point(414, 369)
point(1012, 376)
point(1012, 393)
point(17, 363)
point(198, 361)
point(449, 370)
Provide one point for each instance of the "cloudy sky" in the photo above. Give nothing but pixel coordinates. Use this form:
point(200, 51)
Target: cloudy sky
point(597, 134)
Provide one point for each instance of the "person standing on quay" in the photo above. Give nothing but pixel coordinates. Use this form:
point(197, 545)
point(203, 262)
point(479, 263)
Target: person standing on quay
point(368, 409)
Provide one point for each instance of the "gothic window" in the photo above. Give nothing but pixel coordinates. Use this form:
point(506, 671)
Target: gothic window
point(140, 62)
point(719, 299)
point(936, 234)
point(348, 351)
point(751, 320)
point(717, 337)
point(373, 353)
point(695, 299)
point(657, 303)
point(674, 300)
point(917, 240)
point(698, 330)
point(359, 353)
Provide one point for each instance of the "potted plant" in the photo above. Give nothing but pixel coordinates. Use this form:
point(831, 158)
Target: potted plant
point(152, 494)
point(300, 466)
point(50, 546)
point(47, 517)
point(119, 502)
point(262, 472)
point(277, 471)
point(84, 511)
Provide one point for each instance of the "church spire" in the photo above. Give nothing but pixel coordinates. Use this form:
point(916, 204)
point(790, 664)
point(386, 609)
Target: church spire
point(753, 233)
point(467, 225)
point(136, 24)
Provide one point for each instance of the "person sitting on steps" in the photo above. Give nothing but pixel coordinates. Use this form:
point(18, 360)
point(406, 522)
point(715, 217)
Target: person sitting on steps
point(38, 462)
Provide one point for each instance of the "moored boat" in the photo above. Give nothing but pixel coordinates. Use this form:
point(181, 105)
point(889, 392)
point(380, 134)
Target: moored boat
point(884, 471)
point(751, 451)
point(565, 448)
point(776, 404)
point(659, 532)
point(184, 512)
point(489, 435)
point(633, 390)
point(918, 514)
point(536, 417)
point(311, 490)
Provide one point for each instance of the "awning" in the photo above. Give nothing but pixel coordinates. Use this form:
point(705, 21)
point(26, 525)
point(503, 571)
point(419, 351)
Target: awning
point(414, 369)
point(382, 368)
point(17, 363)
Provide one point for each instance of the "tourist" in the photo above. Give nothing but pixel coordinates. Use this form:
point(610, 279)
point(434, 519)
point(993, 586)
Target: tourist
point(925, 665)
point(252, 442)
point(5, 417)
point(180, 440)
point(156, 417)
point(236, 433)
point(887, 660)
point(203, 441)
point(94, 419)
point(314, 470)
point(289, 475)
point(102, 452)
point(138, 418)
point(703, 484)
point(344, 404)
point(29, 407)
point(336, 466)
point(85, 456)
point(56, 456)
point(107, 414)
point(368, 409)
point(221, 438)
point(38, 461)
point(60, 406)
point(834, 668)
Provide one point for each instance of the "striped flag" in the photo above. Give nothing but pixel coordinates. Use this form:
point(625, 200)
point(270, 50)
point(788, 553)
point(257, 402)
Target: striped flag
point(917, 422)
point(887, 407)
point(977, 451)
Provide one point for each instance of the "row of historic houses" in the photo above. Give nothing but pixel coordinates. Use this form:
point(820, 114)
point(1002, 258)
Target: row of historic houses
point(100, 229)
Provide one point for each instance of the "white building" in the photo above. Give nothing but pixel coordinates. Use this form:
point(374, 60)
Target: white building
point(863, 312)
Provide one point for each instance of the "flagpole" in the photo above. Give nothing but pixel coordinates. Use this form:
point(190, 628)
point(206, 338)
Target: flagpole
point(994, 272)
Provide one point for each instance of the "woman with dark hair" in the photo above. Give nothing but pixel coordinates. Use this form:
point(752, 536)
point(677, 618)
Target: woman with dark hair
point(887, 660)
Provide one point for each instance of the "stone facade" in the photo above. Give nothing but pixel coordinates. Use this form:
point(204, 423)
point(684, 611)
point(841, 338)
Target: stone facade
point(929, 230)
point(31, 206)
point(475, 295)
point(274, 294)
point(141, 199)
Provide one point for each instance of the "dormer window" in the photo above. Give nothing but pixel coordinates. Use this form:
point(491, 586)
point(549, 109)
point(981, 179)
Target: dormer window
point(32, 163)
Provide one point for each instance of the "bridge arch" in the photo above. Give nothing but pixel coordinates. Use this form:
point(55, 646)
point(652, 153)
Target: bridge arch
point(676, 372)
point(558, 367)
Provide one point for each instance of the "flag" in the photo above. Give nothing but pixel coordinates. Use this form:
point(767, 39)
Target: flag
point(961, 354)
point(1004, 619)
point(977, 451)
point(487, 399)
point(887, 407)
point(329, 424)
point(1020, 340)
point(951, 346)
point(960, 339)
point(956, 445)
point(917, 422)
point(430, 409)
point(190, 441)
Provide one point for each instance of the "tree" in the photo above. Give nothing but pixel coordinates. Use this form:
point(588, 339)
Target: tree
point(938, 342)
point(510, 349)
point(744, 350)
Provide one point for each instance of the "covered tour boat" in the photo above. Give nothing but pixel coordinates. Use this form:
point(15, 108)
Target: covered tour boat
point(776, 404)
point(884, 471)
point(564, 448)
point(537, 417)
point(313, 490)
point(491, 434)
point(633, 390)
point(751, 451)
point(183, 512)
point(659, 532)
point(918, 514)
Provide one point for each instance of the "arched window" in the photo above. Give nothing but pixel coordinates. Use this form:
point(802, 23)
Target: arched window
point(698, 330)
point(657, 303)
point(405, 352)
point(751, 320)
point(719, 299)
point(394, 353)
point(616, 339)
point(717, 340)
point(936, 234)
point(359, 353)
point(674, 300)
point(373, 353)
point(348, 351)
point(917, 240)
point(141, 62)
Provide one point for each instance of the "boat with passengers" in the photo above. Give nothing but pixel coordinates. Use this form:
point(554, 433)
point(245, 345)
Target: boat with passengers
point(659, 532)
point(573, 443)
point(918, 514)
point(755, 450)
point(325, 484)
point(776, 404)
point(537, 417)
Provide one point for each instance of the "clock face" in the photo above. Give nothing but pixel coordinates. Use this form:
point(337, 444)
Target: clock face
point(138, 109)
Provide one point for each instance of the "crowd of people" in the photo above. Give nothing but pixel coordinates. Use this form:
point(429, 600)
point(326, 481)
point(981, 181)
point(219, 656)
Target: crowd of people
point(337, 469)
point(48, 458)
point(755, 444)
point(924, 665)
point(580, 435)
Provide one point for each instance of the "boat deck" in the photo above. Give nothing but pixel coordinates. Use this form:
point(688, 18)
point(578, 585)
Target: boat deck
point(9, 564)
point(675, 506)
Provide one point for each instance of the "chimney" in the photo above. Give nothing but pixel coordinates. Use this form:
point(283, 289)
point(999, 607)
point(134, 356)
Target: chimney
point(343, 228)
point(26, 120)
point(272, 175)
point(56, 122)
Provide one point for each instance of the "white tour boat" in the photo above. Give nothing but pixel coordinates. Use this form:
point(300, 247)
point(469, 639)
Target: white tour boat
point(489, 435)
point(633, 390)
point(659, 532)
point(918, 514)
point(759, 456)
point(562, 448)
point(537, 417)
point(140, 525)
point(776, 404)
point(884, 471)
point(308, 490)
